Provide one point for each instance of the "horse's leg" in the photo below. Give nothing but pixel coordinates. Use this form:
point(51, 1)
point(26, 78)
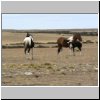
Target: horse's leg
point(59, 48)
point(28, 53)
point(73, 50)
point(25, 51)
point(32, 53)
point(80, 50)
point(58, 56)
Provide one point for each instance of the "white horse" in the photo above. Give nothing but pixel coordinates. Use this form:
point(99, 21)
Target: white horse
point(28, 44)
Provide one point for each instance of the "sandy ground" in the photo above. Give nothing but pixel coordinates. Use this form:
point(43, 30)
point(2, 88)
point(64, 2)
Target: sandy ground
point(49, 69)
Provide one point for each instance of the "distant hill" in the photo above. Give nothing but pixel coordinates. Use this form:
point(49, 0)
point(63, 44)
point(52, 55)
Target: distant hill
point(93, 31)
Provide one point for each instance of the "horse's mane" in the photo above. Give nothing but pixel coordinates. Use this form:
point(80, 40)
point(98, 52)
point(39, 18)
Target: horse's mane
point(77, 36)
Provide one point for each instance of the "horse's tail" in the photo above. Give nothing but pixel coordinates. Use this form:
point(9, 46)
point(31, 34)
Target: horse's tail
point(32, 43)
point(59, 48)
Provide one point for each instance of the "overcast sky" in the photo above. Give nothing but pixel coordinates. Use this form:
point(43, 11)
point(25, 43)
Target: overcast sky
point(49, 21)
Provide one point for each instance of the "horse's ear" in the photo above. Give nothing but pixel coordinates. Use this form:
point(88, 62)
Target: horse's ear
point(27, 35)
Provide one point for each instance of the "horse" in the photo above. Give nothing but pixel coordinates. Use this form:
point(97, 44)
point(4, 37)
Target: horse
point(71, 42)
point(28, 44)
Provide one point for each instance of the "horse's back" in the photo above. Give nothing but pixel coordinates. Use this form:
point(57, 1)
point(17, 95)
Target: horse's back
point(60, 40)
point(27, 39)
point(70, 39)
point(28, 42)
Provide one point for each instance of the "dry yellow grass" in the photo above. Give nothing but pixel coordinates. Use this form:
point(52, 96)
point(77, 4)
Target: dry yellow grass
point(10, 38)
point(47, 68)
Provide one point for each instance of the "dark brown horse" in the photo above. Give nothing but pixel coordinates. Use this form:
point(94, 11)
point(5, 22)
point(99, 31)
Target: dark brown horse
point(71, 42)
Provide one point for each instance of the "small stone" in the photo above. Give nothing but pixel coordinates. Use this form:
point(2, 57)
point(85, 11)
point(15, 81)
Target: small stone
point(28, 73)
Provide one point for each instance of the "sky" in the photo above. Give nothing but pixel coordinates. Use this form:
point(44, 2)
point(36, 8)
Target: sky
point(49, 21)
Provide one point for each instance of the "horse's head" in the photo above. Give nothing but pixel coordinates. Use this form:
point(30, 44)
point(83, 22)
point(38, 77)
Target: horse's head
point(76, 37)
point(27, 35)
